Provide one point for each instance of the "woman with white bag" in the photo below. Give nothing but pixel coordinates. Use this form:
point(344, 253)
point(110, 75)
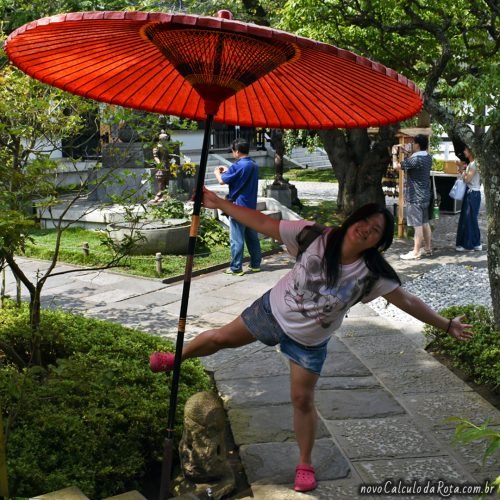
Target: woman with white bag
point(468, 233)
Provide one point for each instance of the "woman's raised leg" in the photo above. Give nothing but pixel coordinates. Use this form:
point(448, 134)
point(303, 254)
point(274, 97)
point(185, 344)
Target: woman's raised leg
point(234, 334)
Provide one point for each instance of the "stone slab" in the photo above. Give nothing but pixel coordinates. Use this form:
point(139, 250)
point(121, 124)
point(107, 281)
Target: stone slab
point(250, 392)
point(325, 383)
point(381, 437)
point(344, 364)
point(357, 403)
point(419, 469)
point(429, 376)
point(371, 345)
point(367, 326)
point(275, 462)
point(130, 495)
point(70, 493)
point(266, 424)
point(197, 307)
point(402, 358)
point(336, 345)
point(264, 363)
point(232, 357)
point(434, 409)
point(159, 322)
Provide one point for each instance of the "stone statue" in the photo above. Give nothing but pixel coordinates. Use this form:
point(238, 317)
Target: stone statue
point(202, 448)
point(161, 156)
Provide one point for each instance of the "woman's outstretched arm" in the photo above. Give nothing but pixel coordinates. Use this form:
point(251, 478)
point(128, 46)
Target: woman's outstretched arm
point(411, 304)
point(246, 216)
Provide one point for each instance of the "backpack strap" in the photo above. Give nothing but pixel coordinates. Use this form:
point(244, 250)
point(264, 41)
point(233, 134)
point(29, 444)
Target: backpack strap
point(308, 235)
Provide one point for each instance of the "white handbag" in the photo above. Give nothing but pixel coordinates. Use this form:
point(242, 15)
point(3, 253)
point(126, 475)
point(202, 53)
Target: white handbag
point(457, 192)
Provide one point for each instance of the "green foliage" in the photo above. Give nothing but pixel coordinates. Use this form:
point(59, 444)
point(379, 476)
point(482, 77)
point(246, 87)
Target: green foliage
point(33, 119)
point(211, 233)
point(94, 416)
point(325, 212)
point(466, 431)
point(42, 247)
point(299, 174)
point(480, 357)
point(171, 208)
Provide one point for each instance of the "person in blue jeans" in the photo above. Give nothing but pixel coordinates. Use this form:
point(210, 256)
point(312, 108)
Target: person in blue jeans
point(242, 177)
point(468, 233)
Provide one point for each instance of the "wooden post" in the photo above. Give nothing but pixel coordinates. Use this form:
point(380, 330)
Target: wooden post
point(18, 291)
point(398, 156)
point(159, 268)
point(2, 288)
point(4, 485)
point(401, 201)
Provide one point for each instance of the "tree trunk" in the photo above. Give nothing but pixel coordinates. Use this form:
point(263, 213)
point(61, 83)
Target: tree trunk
point(359, 164)
point(35, 318)
point(279, 152)
point(489, 165)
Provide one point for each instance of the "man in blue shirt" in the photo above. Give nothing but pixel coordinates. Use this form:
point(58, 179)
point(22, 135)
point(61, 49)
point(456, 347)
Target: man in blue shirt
point(242, 177)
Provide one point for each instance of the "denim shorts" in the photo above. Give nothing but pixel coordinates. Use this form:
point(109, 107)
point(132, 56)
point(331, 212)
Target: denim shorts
point(261, 323)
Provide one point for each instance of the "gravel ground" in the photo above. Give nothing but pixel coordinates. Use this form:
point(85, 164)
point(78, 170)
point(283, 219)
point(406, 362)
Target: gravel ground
point(444, 286)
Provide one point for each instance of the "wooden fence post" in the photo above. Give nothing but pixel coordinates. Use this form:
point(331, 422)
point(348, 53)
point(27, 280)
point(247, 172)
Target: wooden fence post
point(4, 485)
point(159, 268)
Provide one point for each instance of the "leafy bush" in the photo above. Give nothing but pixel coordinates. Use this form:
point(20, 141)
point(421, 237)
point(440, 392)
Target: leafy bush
point(480, 357)
point(212, 234)
point(169, 209)
point(94, 415)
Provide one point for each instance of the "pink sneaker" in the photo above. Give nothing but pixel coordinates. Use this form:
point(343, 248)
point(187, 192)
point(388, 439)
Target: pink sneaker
point(305, 479)
point(161, 361)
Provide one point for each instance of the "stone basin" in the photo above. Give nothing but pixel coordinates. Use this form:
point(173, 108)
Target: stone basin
point(168, 237)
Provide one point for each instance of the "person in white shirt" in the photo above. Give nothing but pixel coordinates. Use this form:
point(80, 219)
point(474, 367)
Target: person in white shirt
point(340, 267)
point(468, 233)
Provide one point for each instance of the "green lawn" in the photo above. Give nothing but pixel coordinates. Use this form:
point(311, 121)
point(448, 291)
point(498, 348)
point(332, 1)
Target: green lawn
point(299, 174)
point(73, 240)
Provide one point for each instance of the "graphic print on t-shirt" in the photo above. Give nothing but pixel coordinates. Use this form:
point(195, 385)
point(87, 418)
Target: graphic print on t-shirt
point(308, 294)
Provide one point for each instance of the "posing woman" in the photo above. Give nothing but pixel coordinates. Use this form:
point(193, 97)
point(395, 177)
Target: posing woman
point(468, 233)
point(333, 271)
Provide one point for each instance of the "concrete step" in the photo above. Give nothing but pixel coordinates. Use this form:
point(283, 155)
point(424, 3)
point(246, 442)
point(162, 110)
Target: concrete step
point(274, 214)
point(309, 159)
point(70, 493)
point(130, 495)
point(74, 493)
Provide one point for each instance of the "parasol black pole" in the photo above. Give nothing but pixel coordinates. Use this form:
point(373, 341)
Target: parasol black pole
point(188, 271)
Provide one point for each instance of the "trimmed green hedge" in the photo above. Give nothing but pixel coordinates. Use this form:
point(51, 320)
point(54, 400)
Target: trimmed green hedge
point(95, 415)
point(480, 357)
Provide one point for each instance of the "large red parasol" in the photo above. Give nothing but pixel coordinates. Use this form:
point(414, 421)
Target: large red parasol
point(192, 66)
point(212, 69)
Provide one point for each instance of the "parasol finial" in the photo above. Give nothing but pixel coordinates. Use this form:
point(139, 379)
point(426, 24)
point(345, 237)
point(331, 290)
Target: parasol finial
point(224, 14)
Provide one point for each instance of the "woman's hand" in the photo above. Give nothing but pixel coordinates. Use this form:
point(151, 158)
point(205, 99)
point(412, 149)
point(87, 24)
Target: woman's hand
point(210, 199)
point(459, 330)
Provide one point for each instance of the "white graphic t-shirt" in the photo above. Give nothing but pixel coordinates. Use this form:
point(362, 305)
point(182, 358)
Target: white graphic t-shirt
point(305, 308)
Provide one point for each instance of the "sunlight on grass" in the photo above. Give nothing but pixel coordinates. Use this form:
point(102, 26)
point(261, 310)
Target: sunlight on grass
point(324, 212)
point(72, 252)
point(299, 174)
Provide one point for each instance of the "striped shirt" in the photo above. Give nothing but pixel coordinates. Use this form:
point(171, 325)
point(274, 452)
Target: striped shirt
point(418, 181)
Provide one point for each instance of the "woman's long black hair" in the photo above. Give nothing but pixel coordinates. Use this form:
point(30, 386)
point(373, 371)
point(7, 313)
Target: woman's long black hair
point(374, 260)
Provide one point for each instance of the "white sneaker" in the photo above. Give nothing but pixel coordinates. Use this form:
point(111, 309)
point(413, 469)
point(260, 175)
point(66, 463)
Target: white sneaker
point(460, 249)
point(478, 248)
point(409, 256)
